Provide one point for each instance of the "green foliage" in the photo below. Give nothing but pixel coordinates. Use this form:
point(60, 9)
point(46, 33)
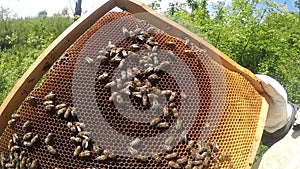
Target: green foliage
point(258, 34)
point(21, 42)
point(155, 5)
point(42, 14)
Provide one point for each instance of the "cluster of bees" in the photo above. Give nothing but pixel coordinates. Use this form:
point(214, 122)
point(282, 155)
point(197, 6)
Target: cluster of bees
point(200, 155)
point(139, 83)
point(85, 146)
point(18, 158)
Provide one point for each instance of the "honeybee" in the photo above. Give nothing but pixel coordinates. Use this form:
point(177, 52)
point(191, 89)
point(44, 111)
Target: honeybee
point(153, 43)
point(10, 165)
point(162, 125)
point(156, 157)
point(73, 112)
point(189, 165)
point(142, 158)
point(51, 150)
point(183, 135)
point(22, 155)
point(103, 77)
point(103, 59)
point(110, 45)
point(182, 160)
point(203, 155)
point(132, 54)
point(89, 60)
point(83, 133)
point(141, 38)
point(163, 65)
point(148, 47)
point(166, 92)
point(49, 107)
point(15, 116)
point(15, 138)
point(166, 111)
point(61, 111)
point(183, 95)
point(170, 44)
point(85, 143)
point(154, 49)
point(224, 157)
point(50, 96)
point(111, 155)
point(60, 106)
point(32, 101)
point(167, 148)
point(96, 149)
point(132, 150)
point(188, 51)
point(155, 60)
point(129, 73)
point(14, 148)
point(169, 140)
point(172, 96)
point(137, 94)
point(77, 151)
point(153, 77)
point(35, 139)
point(34, 165)
point(76, 139)
point(187, 41)
point(110, 84)
point(101, 158)
point(26, 126)
point(23, 162)
point(206, 161)
point(85, 153)
point(49, 139)
point(123, 75)
point(197, 162)
point(134, 46)
point(135, 142)
point(173, 164)
point(11, 122)
point(67, 112)
point(155, 121)
point(119, 99)
point(145, 100)
point(137, 30)
point(172, 105)
point(48, 102)
point(175, 112)
point(27, 144)
point(150, 30)
point(27, 136)
point(125, 32)
point(170, 156)
point(116, 59)
point(215, 147)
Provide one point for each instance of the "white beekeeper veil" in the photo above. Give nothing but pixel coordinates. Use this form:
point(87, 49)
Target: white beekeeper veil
point(279, 110)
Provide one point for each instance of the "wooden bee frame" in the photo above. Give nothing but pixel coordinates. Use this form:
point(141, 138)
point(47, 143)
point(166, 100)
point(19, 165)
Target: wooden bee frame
point(35, 72)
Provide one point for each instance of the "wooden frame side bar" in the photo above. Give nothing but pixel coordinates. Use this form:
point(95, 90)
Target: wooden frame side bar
point(35, 72)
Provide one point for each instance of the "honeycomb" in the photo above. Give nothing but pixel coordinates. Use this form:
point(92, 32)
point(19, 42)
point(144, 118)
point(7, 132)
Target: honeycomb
point(128, 95)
